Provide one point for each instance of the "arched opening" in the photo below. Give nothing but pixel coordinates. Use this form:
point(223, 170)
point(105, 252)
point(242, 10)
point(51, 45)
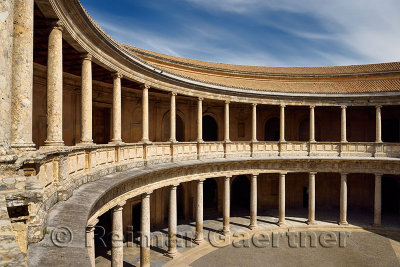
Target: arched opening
point(390, 195)
point(304, 130)
point(134, 230)
point(271, 131)
point(240, 195)
point(180, 128)
point(210, 198)
point(210, 128)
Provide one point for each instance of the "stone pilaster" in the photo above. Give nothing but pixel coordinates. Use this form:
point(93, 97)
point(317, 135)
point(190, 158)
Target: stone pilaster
point(253, 202)
point(311, 198)
point(117, 242)
point(173, 118)
point(86, 98)
point(199, 213)
point(22, 73)
point(145, 231)
point(343, 125)
point(254, 123)
point(378, 124)
point(200, 119)
point(282, 192)
point(172, 222)
point(55, 87)
point(116, 138)
point(226, 121)
point(282, 124)
point(312, 123)
point(6, 52)
point(145, 114)
point(378, 200)
point(343, 199)
point(227, 205)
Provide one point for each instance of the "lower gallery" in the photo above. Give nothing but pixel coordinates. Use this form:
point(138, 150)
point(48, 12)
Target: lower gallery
point(115, 155)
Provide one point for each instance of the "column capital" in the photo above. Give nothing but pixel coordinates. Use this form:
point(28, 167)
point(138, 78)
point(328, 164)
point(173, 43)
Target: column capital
point(378, 175)
point(227, 177)
point(254, 104)
point(227, 101)
point(283, 173)
point(57, 24)
point(344, 173)
point(147, 194)
point(201, 180)
point(343, 107)
point(86, 56)
point(174, 186)
point(119, 205)
point(312, 106)
point(145, 86)
point(282, 105)
point(117, 75)
point(174, 93)
point(254, 174)
point(91, 225)
point(313, 173)
point(378, 106)
point(200, 98)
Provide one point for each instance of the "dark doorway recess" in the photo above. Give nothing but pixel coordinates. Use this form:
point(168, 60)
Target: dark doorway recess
point(271, 131)
point(210, 129)
point(390, 130)
point(240, 196)
point(180, 203)
point(180, 129)
point(210, 198)
point(304, 130)
point(101, 125)
point(390, 195)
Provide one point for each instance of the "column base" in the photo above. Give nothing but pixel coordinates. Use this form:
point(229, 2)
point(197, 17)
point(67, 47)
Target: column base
point(253, 226)
point(85, 143)
point(145, 141)
point(23, 146)
point(226, 231)
point(172, 254)
point(200, 141)
point(198, 241)
point(281, 224)
point(116, 142)
point(376, 225)
point(54, 143)
point(343, 223)
point(311, 222)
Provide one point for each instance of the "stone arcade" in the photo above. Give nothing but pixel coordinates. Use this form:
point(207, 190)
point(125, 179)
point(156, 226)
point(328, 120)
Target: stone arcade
point(98, 133)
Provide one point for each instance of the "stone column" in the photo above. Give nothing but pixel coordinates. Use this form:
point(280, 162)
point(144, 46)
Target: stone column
point(254, 123)
point(227, 205)
point(378, 200)
point(282, 124)
point(281, 220)
point(22, 82)
point(311, 198)
point(55, 88)
point(312, 123)
point(173, 118)
point(145, 114)
point(199, 212)
point(378, 124)
point(117, 93)
point(343, 125)
point(172, 222)
point(226, 139)
point(200, 119)
point(86, 88)
point(253, 202)
point(90, 243)
point(343, 199)
point(145, 231)
point(117, 242)
point(6, 63)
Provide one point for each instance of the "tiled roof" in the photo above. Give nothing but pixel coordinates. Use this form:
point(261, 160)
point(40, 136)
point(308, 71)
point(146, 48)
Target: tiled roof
point(383, 77)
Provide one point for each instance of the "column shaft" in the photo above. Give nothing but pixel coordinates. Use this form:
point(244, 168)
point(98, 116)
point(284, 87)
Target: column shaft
point(172, 222)
point(86, 135)
point(253, 202)
point(378, 200)
point(227, 205)
point(145, 114)
point(200, 119)
point(312, 123)
point(282, 124)
point(117, 250)
point(173, 118)
point(22, 70)
point(199, 212)
point(117, 94)
point(311, 198)
point(226, 121)
point(281, 220)
point(55, 88)
point(90, 244)
point(145, 232)
point(343, 125)
point(254, 123)
point(343, 199)
point(6, 63)
point(378, 124)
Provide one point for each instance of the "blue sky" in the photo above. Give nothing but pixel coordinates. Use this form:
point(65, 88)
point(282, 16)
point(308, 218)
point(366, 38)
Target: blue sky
point(257, 32)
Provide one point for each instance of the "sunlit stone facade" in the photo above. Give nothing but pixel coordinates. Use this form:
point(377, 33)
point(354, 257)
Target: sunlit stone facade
point(104, 134)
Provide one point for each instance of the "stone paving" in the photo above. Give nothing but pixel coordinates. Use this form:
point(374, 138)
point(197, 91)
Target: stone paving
point(365, 243)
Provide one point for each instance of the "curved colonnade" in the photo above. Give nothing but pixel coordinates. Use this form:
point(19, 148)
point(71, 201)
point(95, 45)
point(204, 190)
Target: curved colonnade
point(91, 179)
